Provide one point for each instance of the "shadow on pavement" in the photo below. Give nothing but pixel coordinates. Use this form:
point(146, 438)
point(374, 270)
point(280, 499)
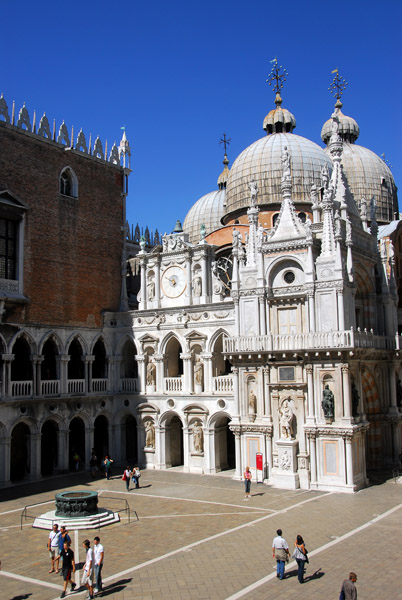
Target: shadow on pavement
point(113, 588)
point(316, 575)
point(21, 597)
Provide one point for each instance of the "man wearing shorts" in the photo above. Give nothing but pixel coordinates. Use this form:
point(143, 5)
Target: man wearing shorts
point(67, 556)
point(53, 547)
point(88, 575)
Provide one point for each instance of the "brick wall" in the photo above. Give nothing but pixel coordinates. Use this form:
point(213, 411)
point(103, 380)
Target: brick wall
point(72, 246)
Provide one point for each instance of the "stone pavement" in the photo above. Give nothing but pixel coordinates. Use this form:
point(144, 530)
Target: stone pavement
point(198, 538)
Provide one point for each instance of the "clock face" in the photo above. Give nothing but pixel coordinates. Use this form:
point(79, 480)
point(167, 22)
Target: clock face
point(173, 282)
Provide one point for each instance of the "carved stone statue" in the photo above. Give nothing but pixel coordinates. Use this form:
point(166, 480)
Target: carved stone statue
point(151, 289)
point(285, 462)
point(252, 402)
point(260, 234)
point(314, 195)
point(328, 403)
point(197, 287)
point(199, 372)
point(253, 187)
point(285, 158)
point(198, 437)
point(363, 209)
point(307, 229)
point(149, 434)
point(324, 176)
point(355, 400)
point(237, 240)
point(286, 420)
point(151, 373)
point(203, 232)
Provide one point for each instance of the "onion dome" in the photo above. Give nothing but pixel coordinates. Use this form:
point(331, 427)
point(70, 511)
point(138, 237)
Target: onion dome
point(279, 120)
point(348, 128)
point(261, 162)
point(208, 211)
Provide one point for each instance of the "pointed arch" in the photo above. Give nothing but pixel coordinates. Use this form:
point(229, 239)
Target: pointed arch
point(51, 335)
point(121, 342)
point(68, 182)
point(27, 337)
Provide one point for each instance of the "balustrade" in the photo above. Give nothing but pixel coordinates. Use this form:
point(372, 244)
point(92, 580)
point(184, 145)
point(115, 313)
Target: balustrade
point(223, 384)
point(51, 387)
point(21, 389)
point(76, 386)
point(173, 384)
point(128, 384)
point(99, 385)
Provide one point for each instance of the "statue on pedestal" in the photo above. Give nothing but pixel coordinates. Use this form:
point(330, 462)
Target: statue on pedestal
point(252, 402)
point(151, 289)
point(328, 403)
point(286, 420)
point(197, 287)
point(198, 372)
point(198, 437)
point(151, 373)
point(149, 434)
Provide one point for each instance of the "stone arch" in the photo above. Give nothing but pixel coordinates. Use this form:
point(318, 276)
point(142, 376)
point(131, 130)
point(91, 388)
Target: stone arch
point(20, 450)
point(100, 337)
point(101, 435)
point(50, 366)
point(276, 271)
point(49, 446)
point(365, 287)
point(76, 441)
point(3, 345)
point(224, 442)
point(77, 336)
point(76, 350)
point(128, 363)
point(23, 349)
point(100, 364)
point(173, 438)
point(27, 337)
point(128, 424)
point(51, 335)
point(173, 361)
point(68, 182)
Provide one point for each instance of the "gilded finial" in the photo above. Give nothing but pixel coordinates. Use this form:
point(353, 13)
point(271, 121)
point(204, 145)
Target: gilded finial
point(337, 87)
point(276, 78)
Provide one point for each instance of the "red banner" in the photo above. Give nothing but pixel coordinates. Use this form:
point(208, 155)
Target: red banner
point(258, 461)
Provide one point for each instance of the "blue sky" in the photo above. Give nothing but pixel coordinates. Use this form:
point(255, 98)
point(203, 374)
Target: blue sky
point(178, 74)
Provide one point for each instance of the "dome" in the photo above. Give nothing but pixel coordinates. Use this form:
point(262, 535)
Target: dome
point(207, 211)
point(261, 162)
point(278, 120)
point(348, 128)
point(369, 176)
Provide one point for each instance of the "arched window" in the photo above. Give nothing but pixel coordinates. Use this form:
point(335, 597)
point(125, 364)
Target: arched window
point(68, 183)
point(274, 219)
point(302, 217)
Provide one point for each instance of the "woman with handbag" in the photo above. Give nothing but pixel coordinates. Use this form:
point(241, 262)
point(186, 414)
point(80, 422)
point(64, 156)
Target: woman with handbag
point(126, 478)
point(136, 474)
point(247, 482)
point(300, 554)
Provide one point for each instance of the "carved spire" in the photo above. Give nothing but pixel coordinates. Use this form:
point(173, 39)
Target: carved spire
point(252, 215)
point(223, 177)
point(125, 150)
point(328, 244)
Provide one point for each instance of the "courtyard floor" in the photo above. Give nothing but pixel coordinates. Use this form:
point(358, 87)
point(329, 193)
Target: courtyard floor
point(197, 537)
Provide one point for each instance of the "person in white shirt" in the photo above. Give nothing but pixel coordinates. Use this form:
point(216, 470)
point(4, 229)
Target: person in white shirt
point(53, 547)
point(280, 551)
point(99, 554)
point(88, 575)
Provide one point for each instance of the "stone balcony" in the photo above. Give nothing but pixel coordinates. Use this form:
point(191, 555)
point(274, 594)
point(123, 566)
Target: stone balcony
point(325, 340)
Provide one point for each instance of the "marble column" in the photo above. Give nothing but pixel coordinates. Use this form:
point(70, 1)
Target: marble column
point(313, 458)
point(64, 360)
point(62, 450)
point(236, 397)
point(7, 358)
point(143, 296)
point(341, 311)
point(187, 372)
point(349, 460)
point(204, 275)
point(263, 321)
point(35, 456)
point(89, 444)
point(189, 290)
point(268, 453)
point(186, 447)
point(267, 395)
point(158, 281)
point(140, 358)
point(310, 394)
point(238, 472)
point(158, 360)
point(347, 408)
point(237, 316)
point(5, 459)
point(311, 311)
point(208, 379)
point(37, 361)
point(88, 360)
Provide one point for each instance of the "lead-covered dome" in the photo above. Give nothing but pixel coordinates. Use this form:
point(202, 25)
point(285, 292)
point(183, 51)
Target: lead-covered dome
point(207, 211)
point(367, 174)
point(261, 162)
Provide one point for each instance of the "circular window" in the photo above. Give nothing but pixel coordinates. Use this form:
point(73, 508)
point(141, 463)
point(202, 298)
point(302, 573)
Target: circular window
point(170, 403)
point(221, 403)
point(289, 277)
point(23, 410)
point(103, 404)
point(126, 402)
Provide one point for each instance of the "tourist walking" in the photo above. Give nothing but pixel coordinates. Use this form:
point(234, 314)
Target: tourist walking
point(88, 575)
point(108, 466)
point(126, 477)
point(64, 537)
point(247, 482)
point(348, 590)
point(53, 547)
point(136, 474)
point(300, 554)
point(99, 553)
point(67, 557)
point(280, 551)
point(93, 463)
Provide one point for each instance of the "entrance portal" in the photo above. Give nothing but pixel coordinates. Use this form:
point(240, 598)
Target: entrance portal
point(176, 442)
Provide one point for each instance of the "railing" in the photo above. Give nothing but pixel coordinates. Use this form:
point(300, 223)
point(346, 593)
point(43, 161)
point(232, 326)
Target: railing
point(21, 389)
point(312, 340)
point(128, 384)
point(76, 386)
point(223, 384)
point(99, 385)
point(173, 384)
point(51, 387)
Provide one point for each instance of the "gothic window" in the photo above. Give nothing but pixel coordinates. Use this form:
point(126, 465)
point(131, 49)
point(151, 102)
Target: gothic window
point(274, 219)
point(68, 183)
point(302, 216)
point(8, 248)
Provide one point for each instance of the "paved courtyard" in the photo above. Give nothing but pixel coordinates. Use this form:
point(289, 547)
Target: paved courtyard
point(197, 537)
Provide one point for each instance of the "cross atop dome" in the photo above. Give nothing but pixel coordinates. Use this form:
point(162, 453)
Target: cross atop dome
point(223, 177)
point(276, 78)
